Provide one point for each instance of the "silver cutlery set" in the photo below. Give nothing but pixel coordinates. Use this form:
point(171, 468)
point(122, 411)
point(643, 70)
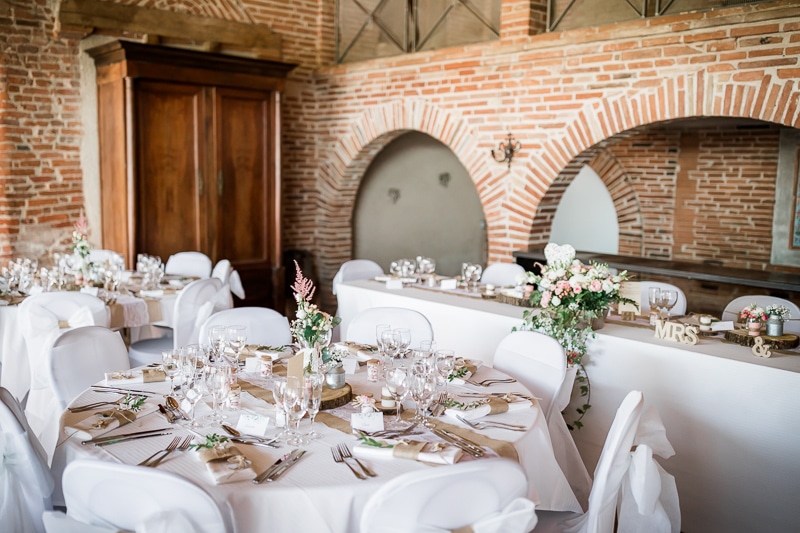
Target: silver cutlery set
point(281, 465)
point(341, 453)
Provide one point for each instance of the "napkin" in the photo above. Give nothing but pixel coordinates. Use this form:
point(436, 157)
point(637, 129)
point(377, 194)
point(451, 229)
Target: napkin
point(223, 469)
point(495, 406)
point(362, 352)
point(107, 419)
point(153, 293)
point(425, 452)
point(127, 377)
point(472, 367)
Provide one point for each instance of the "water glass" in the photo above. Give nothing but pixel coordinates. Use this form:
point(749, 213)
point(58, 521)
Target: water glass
point(313, 384)
point(295, 404)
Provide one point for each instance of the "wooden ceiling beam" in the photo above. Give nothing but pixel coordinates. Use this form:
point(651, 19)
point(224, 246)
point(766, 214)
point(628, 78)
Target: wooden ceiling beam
point(257, 39)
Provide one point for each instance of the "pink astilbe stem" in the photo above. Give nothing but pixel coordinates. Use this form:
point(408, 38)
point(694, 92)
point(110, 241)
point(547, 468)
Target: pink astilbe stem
point(303, 287)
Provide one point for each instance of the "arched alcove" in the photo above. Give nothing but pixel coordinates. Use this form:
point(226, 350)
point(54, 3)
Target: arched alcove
point(416, 198)
point(586, 217)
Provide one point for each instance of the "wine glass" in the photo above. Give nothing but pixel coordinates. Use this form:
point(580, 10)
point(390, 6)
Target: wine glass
point(397, 385)
point(669, 297)
point(217, 339)
point(402, 338)
point(171, 366)
point(423, 388)
point(193, 392)
point(379, 329)
point(313, 383)
point(654, 298)
point(445, 363)
point(389, 344)
point(236, 337)
point(278, 390)
point(218, 385)
point(295, 403)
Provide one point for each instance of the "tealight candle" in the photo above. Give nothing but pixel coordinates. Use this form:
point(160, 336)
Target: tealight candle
point(387, 400)
point(705, 320)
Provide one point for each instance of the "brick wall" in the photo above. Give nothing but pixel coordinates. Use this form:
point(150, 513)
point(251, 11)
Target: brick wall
point(561, 94)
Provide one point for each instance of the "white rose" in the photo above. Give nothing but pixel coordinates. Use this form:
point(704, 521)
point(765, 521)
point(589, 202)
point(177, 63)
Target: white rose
point(556, 301)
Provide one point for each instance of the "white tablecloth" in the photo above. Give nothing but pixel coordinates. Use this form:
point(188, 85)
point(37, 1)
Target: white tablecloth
point(318, 494)
point(732, 417)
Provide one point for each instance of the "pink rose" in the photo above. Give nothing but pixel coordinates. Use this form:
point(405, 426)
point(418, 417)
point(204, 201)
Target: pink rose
point(546, 295)
point(596, 285)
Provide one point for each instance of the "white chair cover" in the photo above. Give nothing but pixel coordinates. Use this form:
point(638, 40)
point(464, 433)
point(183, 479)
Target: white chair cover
point(77, 359)
point(25, 480)
point(196, 264)
point(58, 522)
point(538, 362)
point(502, 274)
point(487, 495)
point(135, 498)
point(680, 305)
point(649, 497)
point(265, 326)
point(43, 317)
point(194, 304)
point(356, 269)
point(362, 327)
point(736, 305)
point(224, 272)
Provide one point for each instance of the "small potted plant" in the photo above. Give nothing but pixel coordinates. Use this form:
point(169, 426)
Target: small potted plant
point(753, 316)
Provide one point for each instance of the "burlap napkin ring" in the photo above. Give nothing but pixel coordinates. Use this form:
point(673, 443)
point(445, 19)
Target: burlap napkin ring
point(411, 449)
point(497, 406)
point(120, 415)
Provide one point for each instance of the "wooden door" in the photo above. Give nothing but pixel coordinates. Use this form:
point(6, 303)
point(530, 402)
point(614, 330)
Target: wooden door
point(246, 229)
point(170, 203)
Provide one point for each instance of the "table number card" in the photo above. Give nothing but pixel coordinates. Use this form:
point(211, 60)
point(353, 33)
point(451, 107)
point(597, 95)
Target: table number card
point(369, 422)
point(251, 424)
point(350, 365)
point(633, 291)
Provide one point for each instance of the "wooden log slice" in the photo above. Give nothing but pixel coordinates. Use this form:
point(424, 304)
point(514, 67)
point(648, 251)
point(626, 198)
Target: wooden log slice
point(787, 341)
point(513, 300)
point(332, 398)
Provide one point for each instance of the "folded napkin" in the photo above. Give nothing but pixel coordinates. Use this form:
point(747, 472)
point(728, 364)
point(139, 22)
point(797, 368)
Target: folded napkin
point(129, 377)
point(274, 352)
point(107, 419)
point(227, 465)
point(425, 452)
point(152, 293)
point(495, 406)
point(362, 352)
point(471, 368)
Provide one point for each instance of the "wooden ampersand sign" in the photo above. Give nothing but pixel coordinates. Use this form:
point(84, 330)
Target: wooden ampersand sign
point(760, 349)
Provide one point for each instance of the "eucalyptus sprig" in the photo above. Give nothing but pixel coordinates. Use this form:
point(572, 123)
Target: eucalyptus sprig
point(133, 403)
point(212, 441)
point(464, 406)
point(369, 441)
point(458, 373)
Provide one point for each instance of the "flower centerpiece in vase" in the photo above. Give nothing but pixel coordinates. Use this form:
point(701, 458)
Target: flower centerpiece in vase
point(777, 313)
point(568, 295)
point(312, 328)
point(753, 316)
point(81, 248)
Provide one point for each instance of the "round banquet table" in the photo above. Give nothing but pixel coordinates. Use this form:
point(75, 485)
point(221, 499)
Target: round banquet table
point(316, 494)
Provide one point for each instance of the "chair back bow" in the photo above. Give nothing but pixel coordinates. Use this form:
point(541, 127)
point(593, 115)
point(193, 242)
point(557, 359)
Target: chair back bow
point(519, 516)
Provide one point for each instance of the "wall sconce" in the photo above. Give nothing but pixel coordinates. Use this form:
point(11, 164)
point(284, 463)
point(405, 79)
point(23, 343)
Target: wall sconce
point(508, 148)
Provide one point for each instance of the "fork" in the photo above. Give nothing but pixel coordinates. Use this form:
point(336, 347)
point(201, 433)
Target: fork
point(347, 454)
point(181, 447)
point(488, 382)
point(89, 406)
point(491, 424)
point(171, 446)
point(337, 456)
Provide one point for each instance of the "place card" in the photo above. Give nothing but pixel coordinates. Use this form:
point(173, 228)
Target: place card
point(448, 284)
point(394, 283)
point(252, 364)
point(294, 366)
point(94, 291)
point(368, 422)
point(252, 424)
point(633, 291)
point(722, 325)
point(350, 366)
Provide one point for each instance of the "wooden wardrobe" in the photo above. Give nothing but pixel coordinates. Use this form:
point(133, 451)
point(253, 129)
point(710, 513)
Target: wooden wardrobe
point(190, 158)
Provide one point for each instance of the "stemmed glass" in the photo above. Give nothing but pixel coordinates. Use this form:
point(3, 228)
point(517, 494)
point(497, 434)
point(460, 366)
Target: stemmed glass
point(654, 298)
point(313, 383)
point(278, 391)
point(171, 365)
point(445, 363)
point(217, 339)
point(295, 403)
point(423, 388)
point(236, 337)
point(397, 385)
point(668, 299)
point(193, 391)
point(379, 329)
point(402, 339)
point(389, 343)
point(218, 385)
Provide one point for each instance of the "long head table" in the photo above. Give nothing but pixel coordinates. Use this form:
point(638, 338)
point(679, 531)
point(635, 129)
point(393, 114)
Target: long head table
point(318, 494)
point(732, 417)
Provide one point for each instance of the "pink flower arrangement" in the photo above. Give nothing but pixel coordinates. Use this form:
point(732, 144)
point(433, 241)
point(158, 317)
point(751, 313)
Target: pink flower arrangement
point(753, 312)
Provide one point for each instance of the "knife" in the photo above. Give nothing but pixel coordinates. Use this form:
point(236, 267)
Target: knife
point(254, 442)
point(124, 435)
point(465, 445)
point(263, 475)
point(125, 439)
point(286, 466)
point(103, 388)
